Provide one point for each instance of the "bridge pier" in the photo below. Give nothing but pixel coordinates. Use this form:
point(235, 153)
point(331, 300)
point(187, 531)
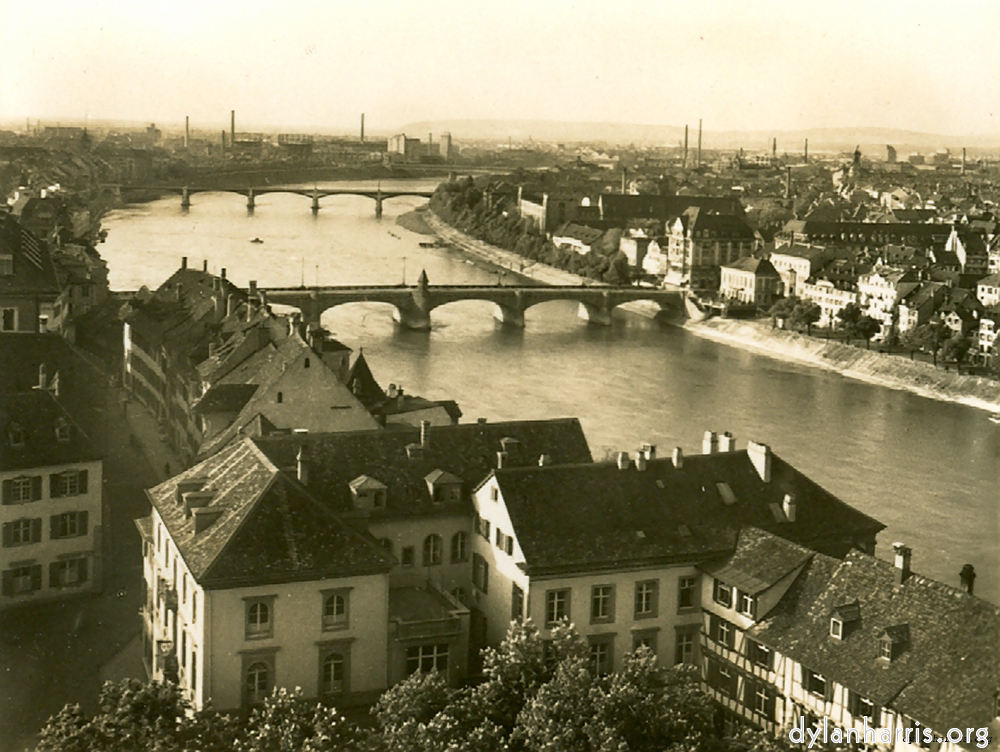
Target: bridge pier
point(250, 201)
point(412, 317)
point(509, 316)
point(594, 314)
point(185, 199)
point(378, 205)
point(315, 206)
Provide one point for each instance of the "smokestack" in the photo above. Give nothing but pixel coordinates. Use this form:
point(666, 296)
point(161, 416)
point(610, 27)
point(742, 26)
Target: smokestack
point(774, 147)
point(968, 577)
point(727, 442)
point(963, 160)
point(806, 152)
point(902, 562)
point(678, 458)
point(685, 146)
point(204, 265)
point(184, 262)
point(232, 127)
point(362, 127)
point(187, 130)
point(223, 141)
point(623, 461)
point(788, 182)
point(624, 177)
point(699, 142)
point(425, 433)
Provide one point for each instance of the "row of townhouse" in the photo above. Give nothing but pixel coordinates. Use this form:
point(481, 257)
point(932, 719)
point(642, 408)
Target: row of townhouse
point(340, 563)
point(792, 638)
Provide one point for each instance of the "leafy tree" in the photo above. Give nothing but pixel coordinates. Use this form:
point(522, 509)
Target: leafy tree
point(557, 718)
point(618, 272)
point(287, 722)
point(806, 313)
point(783, 308)
point(849, 316)
point(404, 710)
point(956, 349)
point(927, 337)
point(866, 328)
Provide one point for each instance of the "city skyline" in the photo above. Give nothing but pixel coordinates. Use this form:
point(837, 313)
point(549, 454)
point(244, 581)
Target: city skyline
point(780, 65)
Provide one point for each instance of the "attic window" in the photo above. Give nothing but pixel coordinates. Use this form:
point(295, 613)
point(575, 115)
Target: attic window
point(836, 628)
point(367, 493)
point(885, 649)
point(62, 430)
point(280, 398)
point(17, 436)
point(684, 531)
point(6, 264)
point(305, 364)
point(726, 493)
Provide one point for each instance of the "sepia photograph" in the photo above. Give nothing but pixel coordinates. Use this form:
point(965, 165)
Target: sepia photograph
point(560, 376)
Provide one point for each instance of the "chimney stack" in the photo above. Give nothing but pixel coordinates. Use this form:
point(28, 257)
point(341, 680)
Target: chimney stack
point(699, 142)
point(253, 287)
point(232, 127)
point(678, 458)
point(805, 153)
point(760, 456)
point(501, 460)
point(640, 461)
point(43, 380)
point(223, 274)
point(963, 160)
point(187, 130)
point(649, 450)
point(788, 182)
point(184, 262)
point(902, 562)
point(623, 461)
point(302, 465)
point(544, 460)
point(204, 265)
point(727, 442)
point(230, 304)
point(788, 506)
point(710, 443)
point(362, 127)
point(425, 431)
point(968, 577)
point(685, 146)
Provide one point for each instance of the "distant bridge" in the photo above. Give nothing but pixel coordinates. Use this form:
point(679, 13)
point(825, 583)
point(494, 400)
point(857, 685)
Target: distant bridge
point(315, 194)
point(413, 304)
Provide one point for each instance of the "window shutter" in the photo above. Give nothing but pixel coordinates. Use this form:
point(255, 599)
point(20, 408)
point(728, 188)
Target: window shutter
point(6, 534)
point(36, 487)
point(36, 577)
point(8, 581)
point(749, 693)
point(8, 491)
point(83, 481)
point(828, 690)
point(54, 574)
point(734, 684)
point(486, 577)
point(81, 522)
point(771, 705)
point(36, 530)
point(83, 570)
point(54, 490)
point(54, 527)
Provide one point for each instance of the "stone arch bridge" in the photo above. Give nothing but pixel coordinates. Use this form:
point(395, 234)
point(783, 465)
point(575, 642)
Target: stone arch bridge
point(413, 304)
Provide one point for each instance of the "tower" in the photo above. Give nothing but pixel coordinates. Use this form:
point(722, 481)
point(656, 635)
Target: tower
point(685, 146)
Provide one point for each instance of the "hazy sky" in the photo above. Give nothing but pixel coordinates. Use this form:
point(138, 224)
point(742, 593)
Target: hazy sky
point(927, 65)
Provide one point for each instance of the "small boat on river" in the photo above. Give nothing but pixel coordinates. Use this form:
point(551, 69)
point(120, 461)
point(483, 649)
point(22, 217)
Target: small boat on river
point(256, 240)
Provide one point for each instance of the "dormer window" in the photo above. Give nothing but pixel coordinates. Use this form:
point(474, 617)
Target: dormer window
point(723, 594)
point(443, 487)
point(62, 430)
point(892, 641)
point(885, 649)
point(844, 619)
point(17, 436)
point(836, 628)
point(367, 493)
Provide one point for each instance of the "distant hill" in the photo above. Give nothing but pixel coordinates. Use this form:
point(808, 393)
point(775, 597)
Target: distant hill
point(820, 139)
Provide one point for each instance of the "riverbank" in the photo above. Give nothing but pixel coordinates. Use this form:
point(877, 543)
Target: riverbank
point(890, 371)
point(414, 221)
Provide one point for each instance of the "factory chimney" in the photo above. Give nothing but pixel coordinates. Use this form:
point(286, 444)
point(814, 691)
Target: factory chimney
point(362, 127)
point(187, 131)
point(806, 152)
point(699, 142)
point(232, 127)
point(685, 146)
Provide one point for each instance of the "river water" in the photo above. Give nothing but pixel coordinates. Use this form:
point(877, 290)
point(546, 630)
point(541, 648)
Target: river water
point(927, 469)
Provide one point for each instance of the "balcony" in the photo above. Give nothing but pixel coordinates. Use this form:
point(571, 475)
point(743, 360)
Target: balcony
point(424, 612)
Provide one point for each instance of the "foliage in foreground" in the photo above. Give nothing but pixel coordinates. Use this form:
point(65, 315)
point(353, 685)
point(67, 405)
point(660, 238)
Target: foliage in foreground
point(536, 695)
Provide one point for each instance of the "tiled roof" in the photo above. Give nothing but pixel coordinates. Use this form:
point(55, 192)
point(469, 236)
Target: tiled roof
point(622, 208)
point(947, 670)
point(467, 451)
point(362, 383)
point(570, 517)
point(268, 529)
point(34, 272)
point(759, 561)
point(31, 419)
point(225, 398)
point(759, 267)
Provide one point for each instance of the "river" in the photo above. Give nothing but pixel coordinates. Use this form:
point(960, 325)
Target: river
point(927, 469)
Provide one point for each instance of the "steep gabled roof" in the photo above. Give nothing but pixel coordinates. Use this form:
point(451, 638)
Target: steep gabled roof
point(395, 458)
point(32, 418)
point(945, 671)
point(268, 529)
point(759, 561)
point(362, 383)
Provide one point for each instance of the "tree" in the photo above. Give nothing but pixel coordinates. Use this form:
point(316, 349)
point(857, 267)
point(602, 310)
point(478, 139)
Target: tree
point(287, 722)
point(927, 338)
point(558, 717)
point(783, 308)
point(849, 317)
point(956, 349)
point(866, 328)
point(618, 272)
point(806, 313)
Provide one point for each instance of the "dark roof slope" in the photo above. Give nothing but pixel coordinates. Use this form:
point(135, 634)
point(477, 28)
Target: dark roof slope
point(582, 516)
point(759, 561)
point(947, 671)
point(268, 528)
point(362, 383)
point(468, 451)
point(33, 417)
point(34, 272)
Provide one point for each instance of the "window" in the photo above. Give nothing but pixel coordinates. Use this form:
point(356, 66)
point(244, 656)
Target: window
point(516, 602)
point(860, 707)
point(759, 697)
point(432, 550)
point(556, 606)
point(644, 639)
point(459, 547)
point(8, 320)
point(69, 483)
point(484, 528)
point(645, 599)
point(685, 593)
point(280, 398)
point(22, 532)
point(746, 604)
point(62, 430)
point(22, 490)
point(494, 493)
point(722, 594)
point(408, 557)
point(305, 363)
point(17, 436)
point(386, 543)
point(480, 573)
point(500, 537)
point(836, 628)
point(333, 673)
point(600, 656)
point(684, 647)
point(194, 670)
point(22, 580)
point(68, 525)
point(335, 609)
point(258, 682)
point(721, 631)
point(260, 618)
point(602, 603)
point(759, 655)
point(885, 649)
point(68, 573)
point(727, 679)
point(813, 682)
point(427, 658)
point(6, 264)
